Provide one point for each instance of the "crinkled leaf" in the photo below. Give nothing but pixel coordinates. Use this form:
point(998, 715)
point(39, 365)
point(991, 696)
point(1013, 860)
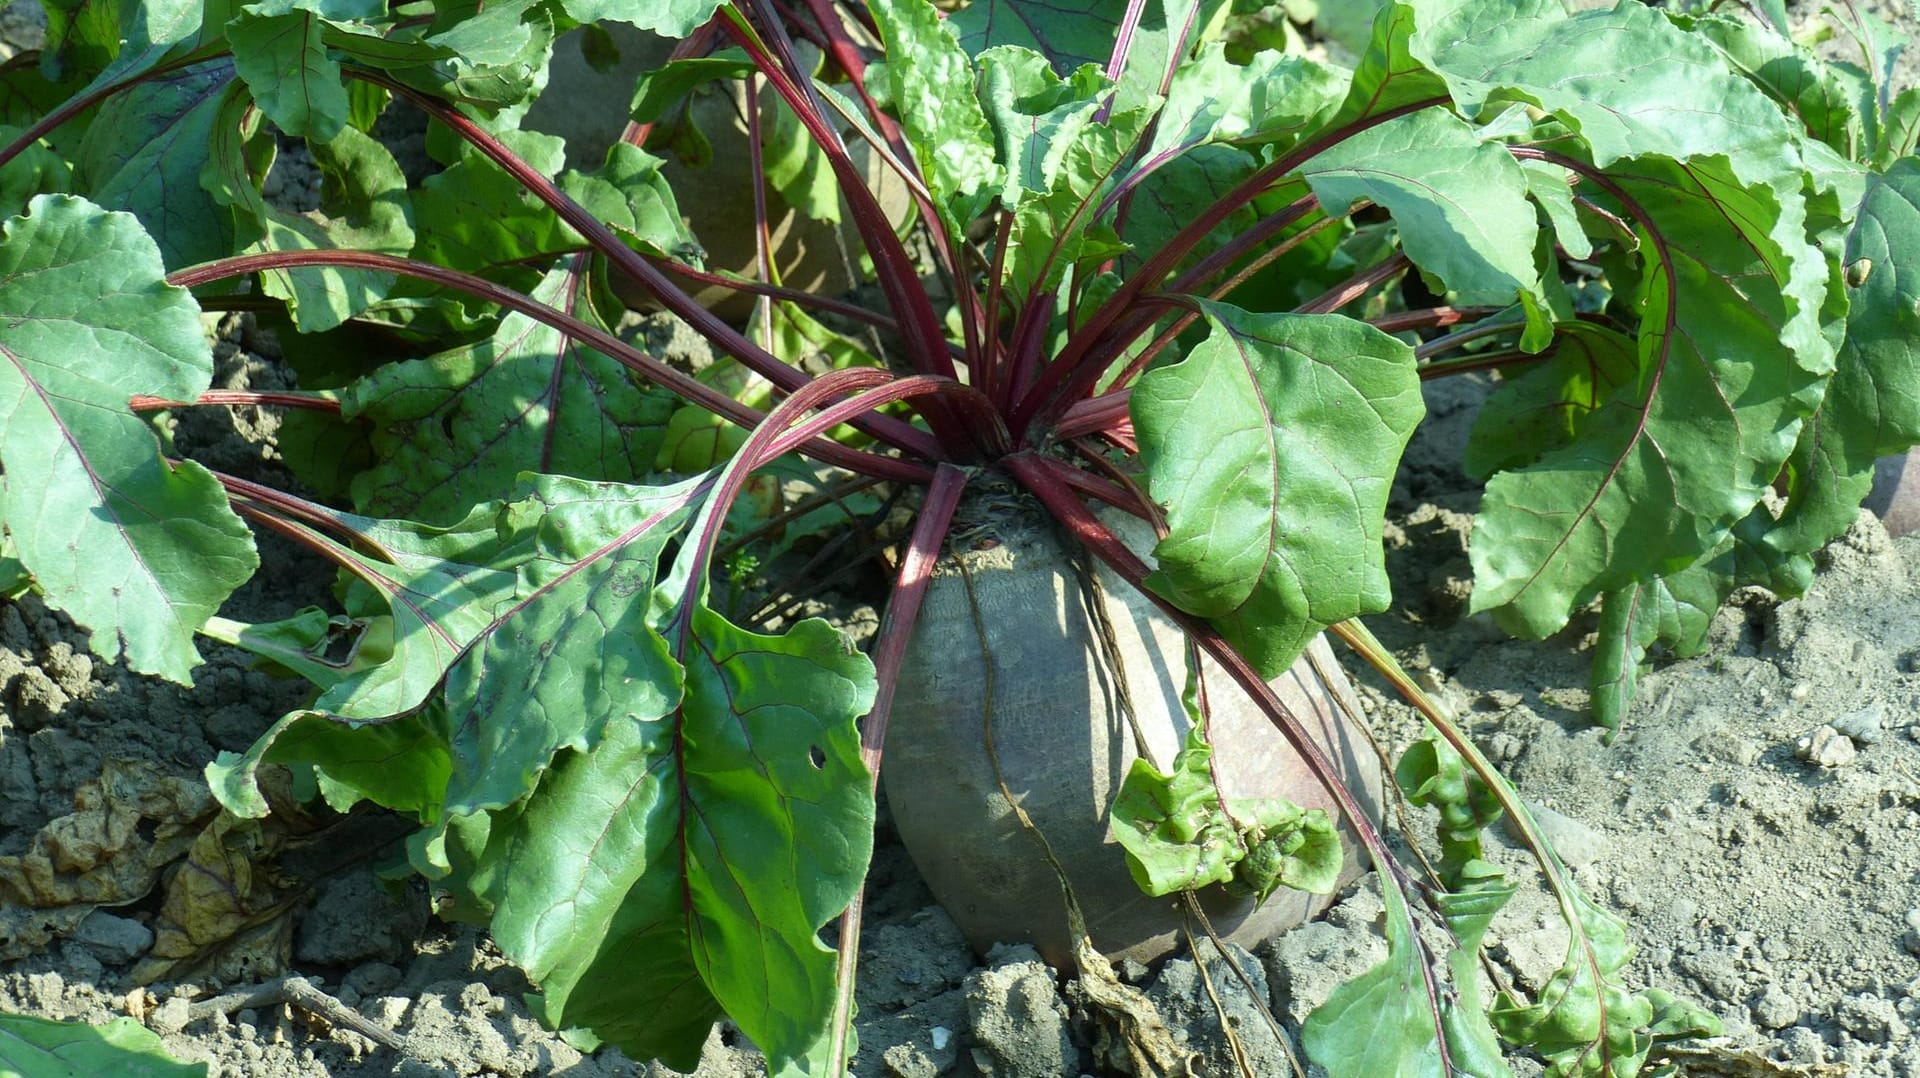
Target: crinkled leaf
point(685, 865)
point(1056, 231)
point(930, 81)
point(1460, 203)
point(1272, 99)
point(1034, 114)
point(1872, 407)
point(1180, 836)
point(1901, 128)
point(1433, 775)
point(493, 58)
point(1074, 33)
point(1730, 360)
point(145, 151)
point(1584, 1021)
point(456, 429)
point(138, 550)
point(1272, 445)
point(280, 52)
point(1626, 80)
point(41, 1048)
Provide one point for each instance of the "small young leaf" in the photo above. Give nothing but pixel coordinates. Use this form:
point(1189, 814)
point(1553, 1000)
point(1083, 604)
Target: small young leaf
point(1180, 836)
point(138, 549)
point(40, 1048)
point(1271, 445)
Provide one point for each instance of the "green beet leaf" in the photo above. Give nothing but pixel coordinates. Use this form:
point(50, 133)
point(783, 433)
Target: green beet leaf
point(472, 216)
point(1730, 361)
point(39, 1048)
point(1271, 446)
point(402, 764)
point(1573, 67)
point(1872, 407)
point(1545, 406)
point(1393, 1020)
point(1034, 114)
point(115, 41)
point(1677, 608)
point(422, 599)
point(144, 153)
point(279, 49)
point(1460, 203)
point(363, 202)
point(685, 865)
point(1074, 33)
point(930, 80)
point(1828, 98)
point(668, 18)
point(456, 429)
point(1068, 34)
point(139, 550)
point(573, 652)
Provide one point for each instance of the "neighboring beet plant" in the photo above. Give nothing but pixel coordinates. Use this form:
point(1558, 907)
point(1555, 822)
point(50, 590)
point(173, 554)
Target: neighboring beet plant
point(1157, 265)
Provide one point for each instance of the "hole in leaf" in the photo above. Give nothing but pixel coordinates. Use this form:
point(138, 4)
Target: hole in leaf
point(817, 758)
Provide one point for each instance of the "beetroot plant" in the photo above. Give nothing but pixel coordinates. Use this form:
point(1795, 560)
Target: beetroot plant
point(1159, 264)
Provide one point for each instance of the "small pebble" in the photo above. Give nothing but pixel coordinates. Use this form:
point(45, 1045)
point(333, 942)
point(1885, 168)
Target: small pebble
point(1827, 747)
point(171, 1016)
